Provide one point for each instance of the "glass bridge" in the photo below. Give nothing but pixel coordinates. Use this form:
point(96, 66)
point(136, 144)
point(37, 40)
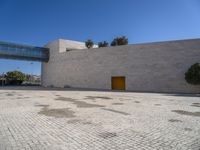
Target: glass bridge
point(23, 52)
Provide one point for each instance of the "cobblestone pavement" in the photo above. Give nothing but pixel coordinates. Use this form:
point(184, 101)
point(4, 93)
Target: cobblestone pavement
point(89, 120)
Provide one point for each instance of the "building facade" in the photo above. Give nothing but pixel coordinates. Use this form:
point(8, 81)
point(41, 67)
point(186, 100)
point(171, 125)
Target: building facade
point(151, 67)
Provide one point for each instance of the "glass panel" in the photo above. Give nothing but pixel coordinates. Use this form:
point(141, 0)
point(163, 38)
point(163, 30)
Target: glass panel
point(17, 51)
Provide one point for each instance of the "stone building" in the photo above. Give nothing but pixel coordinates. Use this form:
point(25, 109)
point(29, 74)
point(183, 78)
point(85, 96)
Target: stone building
point(151, 67)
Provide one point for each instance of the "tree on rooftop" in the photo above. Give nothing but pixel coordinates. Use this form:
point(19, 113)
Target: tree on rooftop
point(192, 76)
point(89, 44)
point(119, 41)
point(103, 44)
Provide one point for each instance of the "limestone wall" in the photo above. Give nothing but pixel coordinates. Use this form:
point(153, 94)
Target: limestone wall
point(152, 67)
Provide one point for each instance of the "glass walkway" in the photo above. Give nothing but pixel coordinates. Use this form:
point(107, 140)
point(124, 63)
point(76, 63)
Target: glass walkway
point(23, 52)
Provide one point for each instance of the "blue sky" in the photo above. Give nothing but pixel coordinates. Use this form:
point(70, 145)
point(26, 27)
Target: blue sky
point(37, 22)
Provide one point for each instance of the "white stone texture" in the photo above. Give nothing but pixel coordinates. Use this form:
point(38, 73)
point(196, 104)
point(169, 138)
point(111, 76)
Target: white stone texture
point(139, 121)
point(152, 67)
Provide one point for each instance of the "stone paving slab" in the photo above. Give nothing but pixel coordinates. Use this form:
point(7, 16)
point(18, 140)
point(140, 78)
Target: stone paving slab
point(91, 120)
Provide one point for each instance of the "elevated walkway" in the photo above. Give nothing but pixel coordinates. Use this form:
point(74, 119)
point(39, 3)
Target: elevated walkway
point(23, 52)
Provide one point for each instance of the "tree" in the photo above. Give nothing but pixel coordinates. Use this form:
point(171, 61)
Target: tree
point(120, 41)
point(15, 77)
point(89, 44)
point(192, 76)
point(103, 44)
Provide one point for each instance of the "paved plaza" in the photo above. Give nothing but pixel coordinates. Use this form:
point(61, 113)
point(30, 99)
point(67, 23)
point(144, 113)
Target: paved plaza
point(90, 120)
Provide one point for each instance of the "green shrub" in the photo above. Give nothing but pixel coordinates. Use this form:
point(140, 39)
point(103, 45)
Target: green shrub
point(89, 44)
point(120, 41)
point(192, 76)
point(15, 77)
point(103, 44)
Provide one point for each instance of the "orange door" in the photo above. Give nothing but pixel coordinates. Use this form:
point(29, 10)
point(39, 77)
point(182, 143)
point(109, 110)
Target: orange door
point(118, 83)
